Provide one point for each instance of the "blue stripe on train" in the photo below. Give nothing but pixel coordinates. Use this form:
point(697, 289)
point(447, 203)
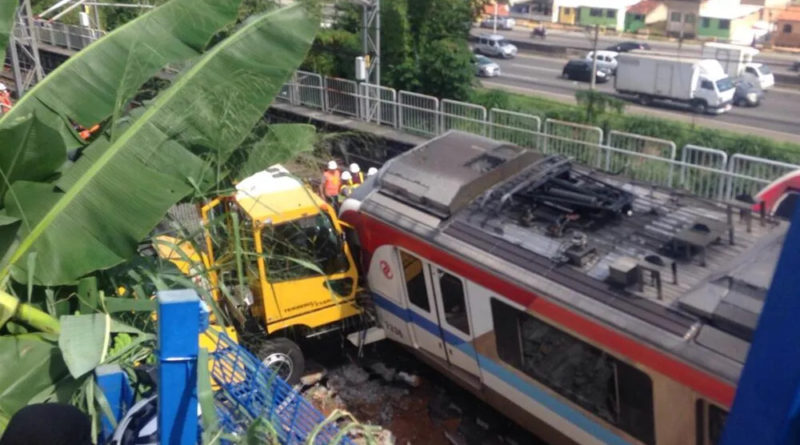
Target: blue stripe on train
point(488, 365)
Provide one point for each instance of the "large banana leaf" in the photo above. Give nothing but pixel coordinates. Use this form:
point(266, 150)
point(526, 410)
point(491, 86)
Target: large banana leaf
point(7, 10)
point(30, 365)
point(118, 191)
point(28, 151)
point(95, 82)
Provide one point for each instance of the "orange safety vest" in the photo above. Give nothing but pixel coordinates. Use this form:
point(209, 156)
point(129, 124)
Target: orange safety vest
point(5, 102)
point(331, 183)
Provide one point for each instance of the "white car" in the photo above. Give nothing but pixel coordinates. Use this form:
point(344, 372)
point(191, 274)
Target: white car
point(507, 23)
point(759, 74)
point(605, 59)
point(495, 45)
point(485, 67)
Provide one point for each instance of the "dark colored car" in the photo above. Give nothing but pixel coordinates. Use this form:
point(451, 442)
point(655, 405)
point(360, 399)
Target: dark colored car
point(795, 66)
point(747, 93)
point(624, 47)
point(580, 69)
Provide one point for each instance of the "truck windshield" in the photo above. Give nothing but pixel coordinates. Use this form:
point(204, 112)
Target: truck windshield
point(764, 70)
point(303, 248)
point(724, 84)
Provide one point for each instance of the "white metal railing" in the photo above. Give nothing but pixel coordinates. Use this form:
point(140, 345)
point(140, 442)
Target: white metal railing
point(341, 96)
point(462, 116)
point(639, 144)
point(691, 178)
point(704, 171)
point(419, 114)
point(518, 128)
point(378, 104)
point(753, 173)
point(571, 140)
point(70, 37)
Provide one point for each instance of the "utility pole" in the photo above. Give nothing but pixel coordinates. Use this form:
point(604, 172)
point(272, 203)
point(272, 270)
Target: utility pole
point(594, 57)
point(494, 19)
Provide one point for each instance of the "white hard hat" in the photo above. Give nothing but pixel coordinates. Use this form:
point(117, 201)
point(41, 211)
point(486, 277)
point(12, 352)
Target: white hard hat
point(372, 171)
point(346, 176)
point(332, 165)
point(354, 168)
point(2, 87)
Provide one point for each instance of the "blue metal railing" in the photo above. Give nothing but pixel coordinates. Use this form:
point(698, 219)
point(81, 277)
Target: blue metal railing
point(250, 392)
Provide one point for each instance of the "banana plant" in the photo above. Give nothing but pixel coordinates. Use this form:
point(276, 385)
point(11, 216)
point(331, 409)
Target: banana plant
point(123, 184)
point(57, 226)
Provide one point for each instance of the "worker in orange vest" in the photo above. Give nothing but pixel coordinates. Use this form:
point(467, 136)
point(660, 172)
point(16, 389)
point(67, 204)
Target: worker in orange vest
point(355, 171)
point(86, 133)
point(5, 99)
point(331, 183)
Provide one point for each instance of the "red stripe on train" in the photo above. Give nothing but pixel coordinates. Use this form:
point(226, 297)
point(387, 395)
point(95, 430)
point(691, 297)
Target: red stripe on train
point(374, 233)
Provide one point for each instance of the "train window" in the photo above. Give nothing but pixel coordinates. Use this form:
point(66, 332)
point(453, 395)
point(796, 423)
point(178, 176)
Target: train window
point(453, 302)
point(713, 428)
point(619, 393)
point(415, 281)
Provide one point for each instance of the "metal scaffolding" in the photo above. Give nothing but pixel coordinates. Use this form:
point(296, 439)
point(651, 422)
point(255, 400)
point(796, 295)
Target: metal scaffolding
point(24, 50)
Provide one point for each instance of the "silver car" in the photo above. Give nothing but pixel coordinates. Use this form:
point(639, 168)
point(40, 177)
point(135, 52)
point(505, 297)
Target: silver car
point(484, 67)
point(495, 45)
point(605, 59)
point(506, 23)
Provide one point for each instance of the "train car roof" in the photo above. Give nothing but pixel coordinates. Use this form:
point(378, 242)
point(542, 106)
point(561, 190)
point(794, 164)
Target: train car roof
point(684, 273)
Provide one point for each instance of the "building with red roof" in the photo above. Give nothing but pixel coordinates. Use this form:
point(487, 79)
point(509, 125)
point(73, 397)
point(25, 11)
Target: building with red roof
point(644, 13)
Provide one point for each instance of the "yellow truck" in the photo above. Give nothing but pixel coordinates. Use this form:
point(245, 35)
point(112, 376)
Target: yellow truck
point(276, 261)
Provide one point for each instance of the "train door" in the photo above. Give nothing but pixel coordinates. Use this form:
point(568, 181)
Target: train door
point(424, 321)
point(453, 311)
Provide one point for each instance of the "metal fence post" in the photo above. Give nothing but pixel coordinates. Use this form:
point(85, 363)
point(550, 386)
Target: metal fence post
point(179, 327)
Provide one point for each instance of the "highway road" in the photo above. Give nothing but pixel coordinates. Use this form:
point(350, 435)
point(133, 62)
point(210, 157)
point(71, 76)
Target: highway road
point(777, 117)
point(779, 62)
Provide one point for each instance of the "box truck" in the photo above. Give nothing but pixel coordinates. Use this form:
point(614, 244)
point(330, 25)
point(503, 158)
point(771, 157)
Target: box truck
point(737, 61)
point(701, 84)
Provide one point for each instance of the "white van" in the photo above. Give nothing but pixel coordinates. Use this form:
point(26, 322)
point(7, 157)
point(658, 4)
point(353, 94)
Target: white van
point(495, 45)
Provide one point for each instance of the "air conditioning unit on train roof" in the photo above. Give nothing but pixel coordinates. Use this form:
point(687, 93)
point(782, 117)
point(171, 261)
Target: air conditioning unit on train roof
point(445, 174)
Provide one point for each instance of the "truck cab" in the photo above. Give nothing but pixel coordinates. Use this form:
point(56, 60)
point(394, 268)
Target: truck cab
point(737, 61)
point(714, 90)
point(277, 264)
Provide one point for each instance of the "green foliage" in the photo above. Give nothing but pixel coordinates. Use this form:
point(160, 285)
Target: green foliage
point(446, 69)
point(282, 143)
point(679, 132)
point(7, 10)
point(83, 341)
point(397, 67)
point(150, 164)
point(596, 103)
point(333, 53)
point(31, 369)
point(415, 34)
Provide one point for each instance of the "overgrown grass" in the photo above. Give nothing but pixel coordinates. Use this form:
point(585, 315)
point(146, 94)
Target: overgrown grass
point(679, 132)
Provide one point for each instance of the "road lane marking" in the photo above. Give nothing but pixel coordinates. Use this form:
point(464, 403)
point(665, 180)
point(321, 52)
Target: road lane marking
point(535, 68)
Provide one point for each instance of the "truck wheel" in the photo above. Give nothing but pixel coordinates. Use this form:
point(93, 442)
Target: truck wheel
point(699, 107)
point(283, 357)
point(644, 99)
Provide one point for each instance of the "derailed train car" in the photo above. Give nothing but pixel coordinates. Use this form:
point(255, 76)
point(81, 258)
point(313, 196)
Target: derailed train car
point(588, 308)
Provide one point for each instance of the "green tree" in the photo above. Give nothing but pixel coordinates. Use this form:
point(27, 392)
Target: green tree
point(397, 65)
point(445, 68)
